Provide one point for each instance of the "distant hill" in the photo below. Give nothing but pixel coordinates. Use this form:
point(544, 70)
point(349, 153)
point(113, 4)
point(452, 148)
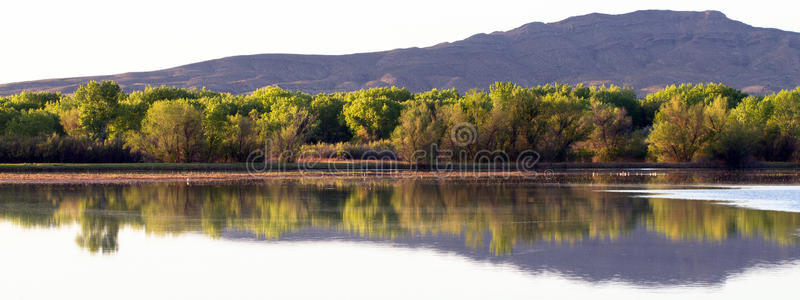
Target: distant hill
point(645, 50)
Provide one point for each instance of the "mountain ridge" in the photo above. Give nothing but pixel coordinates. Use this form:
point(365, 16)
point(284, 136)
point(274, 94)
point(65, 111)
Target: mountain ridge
point(645, 50)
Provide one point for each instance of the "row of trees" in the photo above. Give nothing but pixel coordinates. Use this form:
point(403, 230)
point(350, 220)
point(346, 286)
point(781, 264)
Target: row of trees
point(682, 123)
point(729, 128)
point(101, 123)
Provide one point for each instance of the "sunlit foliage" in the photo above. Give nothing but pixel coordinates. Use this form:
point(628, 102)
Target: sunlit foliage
point(689, 122)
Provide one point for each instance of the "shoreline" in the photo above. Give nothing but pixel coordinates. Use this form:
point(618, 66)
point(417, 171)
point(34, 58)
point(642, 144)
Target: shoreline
point(350, 166)
point(564, 176)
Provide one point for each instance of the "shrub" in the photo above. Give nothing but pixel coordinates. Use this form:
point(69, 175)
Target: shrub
point(735, 144)
point(64, 149)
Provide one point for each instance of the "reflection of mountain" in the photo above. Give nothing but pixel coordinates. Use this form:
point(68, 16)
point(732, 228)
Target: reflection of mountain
point(592, 235)
point(641, 257)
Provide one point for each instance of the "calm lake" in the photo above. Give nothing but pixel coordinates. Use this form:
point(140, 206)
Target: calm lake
point(616, 235)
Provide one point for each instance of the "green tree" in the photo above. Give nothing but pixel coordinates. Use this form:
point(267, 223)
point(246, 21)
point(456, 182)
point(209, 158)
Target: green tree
point(567, 122)
point(735, 143)
point(752, 114)
point(612, 128)
point(476, 106)
point(716, 115)
point(217, 124)
point(34, 123)
point(622, 98)
point(243, 138)
point(70, 121)
point(285, 128)
point(372, 118)
point(30, 100)
point(418, 130)
point(152, 94)
point(267, 97)
point(515, 122)
point(782, 127)
point(127, 117)
point(6, 115)
point(440, 96)
point(692, 94)
point(679, 131)
point(172, 131)
point(332, 126)
point(390, 93)
point(98, 104)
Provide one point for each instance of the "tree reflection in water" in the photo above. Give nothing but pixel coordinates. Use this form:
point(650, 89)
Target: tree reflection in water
point(505, 214)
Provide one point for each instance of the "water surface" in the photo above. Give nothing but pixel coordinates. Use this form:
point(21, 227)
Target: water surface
point(330, 238)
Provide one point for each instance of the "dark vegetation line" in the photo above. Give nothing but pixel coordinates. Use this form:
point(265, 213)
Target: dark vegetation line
point(100, 123)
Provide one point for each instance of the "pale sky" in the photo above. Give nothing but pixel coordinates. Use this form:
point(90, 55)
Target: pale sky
point(57, 38)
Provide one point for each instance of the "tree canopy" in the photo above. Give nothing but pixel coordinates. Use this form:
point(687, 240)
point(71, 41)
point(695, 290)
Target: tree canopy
point(561, 122)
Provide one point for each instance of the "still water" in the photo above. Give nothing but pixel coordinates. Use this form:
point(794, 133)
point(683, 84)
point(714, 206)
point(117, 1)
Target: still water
point(384, 238)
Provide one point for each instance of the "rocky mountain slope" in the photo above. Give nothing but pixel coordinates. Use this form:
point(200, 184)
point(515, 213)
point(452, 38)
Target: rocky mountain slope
point(644, 50)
